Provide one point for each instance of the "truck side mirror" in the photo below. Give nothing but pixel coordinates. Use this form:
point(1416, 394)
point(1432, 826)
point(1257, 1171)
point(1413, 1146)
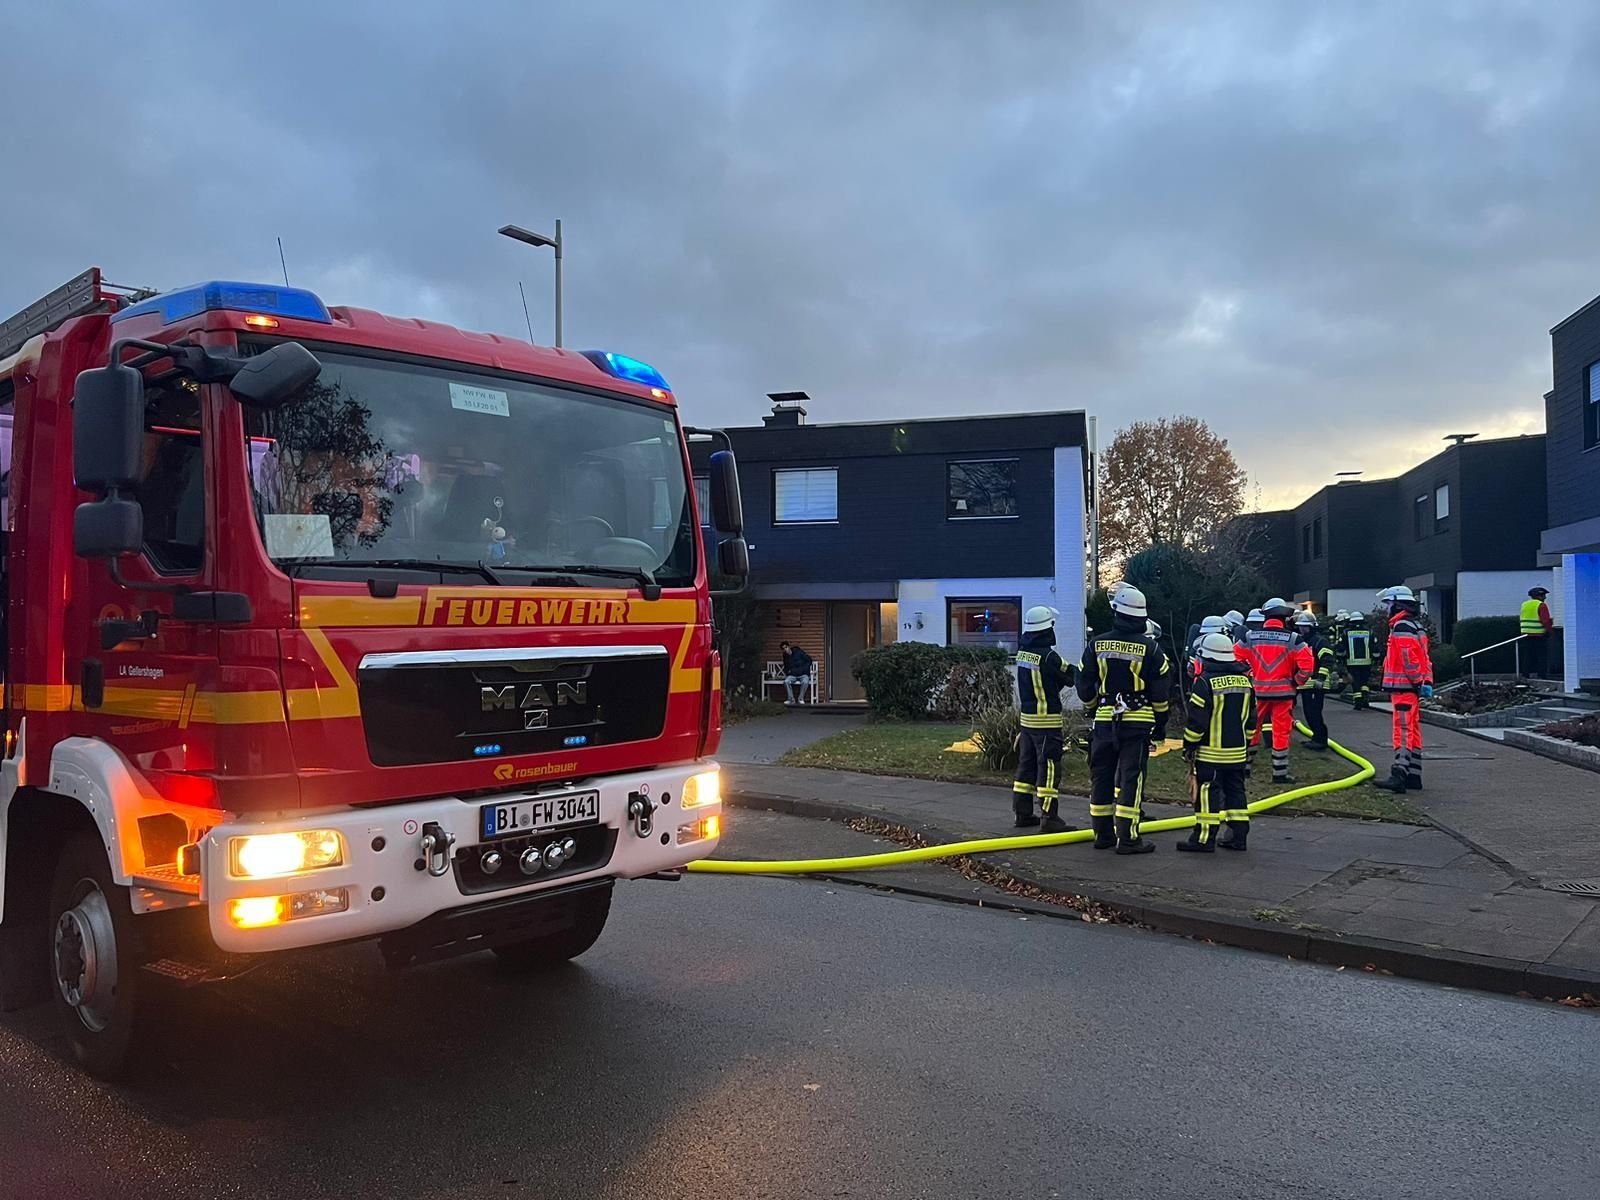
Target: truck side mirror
point(108, 429)
point(733, 558)
point(727, 509)
point(269, 379)
point(107, 528)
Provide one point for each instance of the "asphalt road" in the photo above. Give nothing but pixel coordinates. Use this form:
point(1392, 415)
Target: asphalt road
point(769, 1038)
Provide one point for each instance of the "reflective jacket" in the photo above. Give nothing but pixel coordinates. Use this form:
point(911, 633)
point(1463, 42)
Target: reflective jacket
point(1222, 716)
point(1358, 647)
point(1278, 661)
point(1535, 620)
point(1407, 665)
point(1322, 664)
point(1040, 677)
point(1127, 678)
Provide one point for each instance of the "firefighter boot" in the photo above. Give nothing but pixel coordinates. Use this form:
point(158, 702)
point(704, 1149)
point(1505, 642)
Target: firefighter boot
point(1105, 836)
point(1054, 824)
point(1127, 843)
point(1414, 778)
point(1395, 783)
point(1023, 820)
point(1240, 839)
point(1193, 843)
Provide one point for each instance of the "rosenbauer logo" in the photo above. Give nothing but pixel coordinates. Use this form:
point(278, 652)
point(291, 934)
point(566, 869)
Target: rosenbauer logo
point(507, 772)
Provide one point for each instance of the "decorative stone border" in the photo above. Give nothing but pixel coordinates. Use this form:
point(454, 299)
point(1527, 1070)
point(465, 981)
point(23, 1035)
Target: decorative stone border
point(1571, 753)
point(1495, 717)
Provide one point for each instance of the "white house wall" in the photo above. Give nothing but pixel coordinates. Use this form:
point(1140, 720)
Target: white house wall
point(1580, 586)
point(1501, 593)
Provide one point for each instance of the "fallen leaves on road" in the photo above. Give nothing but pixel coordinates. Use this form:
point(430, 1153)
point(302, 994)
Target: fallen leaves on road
point(1587, 1000)
point(986, 873)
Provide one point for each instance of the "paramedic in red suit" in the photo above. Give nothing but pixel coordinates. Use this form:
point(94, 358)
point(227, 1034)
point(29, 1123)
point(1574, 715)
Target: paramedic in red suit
point(1408, 678)
point(1278, 663)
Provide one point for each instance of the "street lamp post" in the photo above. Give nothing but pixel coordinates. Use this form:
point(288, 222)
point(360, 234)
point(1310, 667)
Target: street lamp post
point(517, 233)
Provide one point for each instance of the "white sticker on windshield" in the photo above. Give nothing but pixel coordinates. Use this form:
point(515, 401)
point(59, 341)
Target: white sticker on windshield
point(298, 535)
point(479, 400)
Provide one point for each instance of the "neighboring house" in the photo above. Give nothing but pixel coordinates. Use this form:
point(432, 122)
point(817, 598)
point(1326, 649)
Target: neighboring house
point(939, 530)
point(1461, 529)
point(1572, 475)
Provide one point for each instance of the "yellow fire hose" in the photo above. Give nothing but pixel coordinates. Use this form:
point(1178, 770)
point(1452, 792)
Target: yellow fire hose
point(896, 858)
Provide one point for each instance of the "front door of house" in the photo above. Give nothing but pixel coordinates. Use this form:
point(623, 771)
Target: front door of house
point(852, 628)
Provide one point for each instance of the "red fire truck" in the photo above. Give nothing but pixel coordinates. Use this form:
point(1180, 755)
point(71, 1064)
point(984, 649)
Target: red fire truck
point(324, 625)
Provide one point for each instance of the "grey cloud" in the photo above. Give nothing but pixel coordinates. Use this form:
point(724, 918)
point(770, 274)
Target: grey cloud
point(1307, 224)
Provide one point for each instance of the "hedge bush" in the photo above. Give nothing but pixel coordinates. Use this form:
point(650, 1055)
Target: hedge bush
point(1474, 633)
point(1446, 663)
point(914, 681)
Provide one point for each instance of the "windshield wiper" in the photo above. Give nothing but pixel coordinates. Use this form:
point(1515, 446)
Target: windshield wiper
point(480, 568)
point(646, 581)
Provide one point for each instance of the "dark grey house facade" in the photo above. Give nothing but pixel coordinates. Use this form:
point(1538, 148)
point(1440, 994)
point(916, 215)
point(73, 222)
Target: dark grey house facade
point(1571, 538)
point(1461, 529)
point(938, 530)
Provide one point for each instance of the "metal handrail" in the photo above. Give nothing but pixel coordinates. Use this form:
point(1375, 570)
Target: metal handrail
point(1516, 655)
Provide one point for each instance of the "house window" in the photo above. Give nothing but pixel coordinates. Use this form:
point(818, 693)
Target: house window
point(996, 623)
point(1591, 409)
point(702, 499)
point(1305, 543)
point(1316, 538)
point(981, 488)
point(1441, 507)
point(805, 496)
point(1419, 518)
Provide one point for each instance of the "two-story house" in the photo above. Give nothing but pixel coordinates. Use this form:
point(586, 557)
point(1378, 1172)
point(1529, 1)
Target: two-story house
point(938, 530)
point(1461, 529)
point(1572, 485)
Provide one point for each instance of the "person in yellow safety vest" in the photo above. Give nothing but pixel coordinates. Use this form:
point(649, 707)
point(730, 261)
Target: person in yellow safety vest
point(1125, 677)
point(1535, 624)
point(1216, 741)
point(1358, 657)
point(1341, 675)
point(1040, 677)
point(1313, 691)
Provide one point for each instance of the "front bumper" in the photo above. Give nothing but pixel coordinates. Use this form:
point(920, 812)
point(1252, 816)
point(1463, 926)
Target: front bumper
point(388, 891)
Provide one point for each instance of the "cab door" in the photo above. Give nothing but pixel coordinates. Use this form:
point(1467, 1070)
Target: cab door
point(148, 695)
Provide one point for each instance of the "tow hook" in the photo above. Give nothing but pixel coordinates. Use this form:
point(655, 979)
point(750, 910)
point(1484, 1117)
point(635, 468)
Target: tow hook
point(640, 810)
point(436, 846)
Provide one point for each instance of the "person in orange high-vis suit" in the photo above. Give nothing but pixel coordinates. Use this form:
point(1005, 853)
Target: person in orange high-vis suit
point(1408, 678)
point(1279, 663)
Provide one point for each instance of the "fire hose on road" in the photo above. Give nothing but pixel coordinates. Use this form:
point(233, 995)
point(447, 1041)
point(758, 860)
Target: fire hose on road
point(897, 858)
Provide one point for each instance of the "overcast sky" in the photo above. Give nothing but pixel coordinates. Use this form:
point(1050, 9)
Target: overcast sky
point(1336, 232)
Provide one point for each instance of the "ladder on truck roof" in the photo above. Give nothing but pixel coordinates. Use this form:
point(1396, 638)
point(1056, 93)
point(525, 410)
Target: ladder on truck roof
point(86, 294)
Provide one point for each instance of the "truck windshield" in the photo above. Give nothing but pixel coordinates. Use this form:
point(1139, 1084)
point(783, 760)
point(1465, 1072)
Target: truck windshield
point(414, 463)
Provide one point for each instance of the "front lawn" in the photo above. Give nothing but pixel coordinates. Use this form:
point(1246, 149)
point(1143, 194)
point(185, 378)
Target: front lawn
point(922, 751)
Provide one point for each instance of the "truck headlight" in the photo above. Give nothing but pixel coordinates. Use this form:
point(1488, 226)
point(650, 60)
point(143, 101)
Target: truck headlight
point(702, 790)
point(263, 855)
point(702, 830)
point(259, 912)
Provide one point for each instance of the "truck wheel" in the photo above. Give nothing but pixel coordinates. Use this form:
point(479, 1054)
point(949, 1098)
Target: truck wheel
point(92, 964)
point(552, 949)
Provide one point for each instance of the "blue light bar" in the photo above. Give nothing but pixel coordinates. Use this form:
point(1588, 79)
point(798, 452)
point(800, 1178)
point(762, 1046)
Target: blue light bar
point(293, 303)
point(631, 369)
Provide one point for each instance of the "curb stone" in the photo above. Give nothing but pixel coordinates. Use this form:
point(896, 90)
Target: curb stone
point(1452, 968)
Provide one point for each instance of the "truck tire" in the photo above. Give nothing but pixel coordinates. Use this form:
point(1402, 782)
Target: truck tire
point(93, 967)
point(551, 950)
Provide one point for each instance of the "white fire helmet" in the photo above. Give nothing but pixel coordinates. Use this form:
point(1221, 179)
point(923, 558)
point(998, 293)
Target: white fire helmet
point(1038, 618)
point(1217, 647)
point(1305, 617)
point(1214, 625)
point(1129, 601)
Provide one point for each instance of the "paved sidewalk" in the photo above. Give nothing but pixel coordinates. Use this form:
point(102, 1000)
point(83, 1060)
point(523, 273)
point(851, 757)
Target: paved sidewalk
point(1461, 905)
point(767, 739)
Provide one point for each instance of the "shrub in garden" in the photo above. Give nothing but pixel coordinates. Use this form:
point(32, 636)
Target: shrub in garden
point(1474, 633)
point(912, 681)
point(997, 728)
point(1583, 730)
point(1472, 698)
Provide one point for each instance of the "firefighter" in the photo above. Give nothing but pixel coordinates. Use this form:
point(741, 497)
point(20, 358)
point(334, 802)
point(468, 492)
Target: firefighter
point(1278, 665)
point(1124, 676)
point(1408, 678)
point(1234, 620)
point(1341, 674)
point(1254, 620)
point(1535, 624)
point(1216, 741)
point(1358, 657)
point(1313, 692)
point(1040, 677)
point(1208, 626)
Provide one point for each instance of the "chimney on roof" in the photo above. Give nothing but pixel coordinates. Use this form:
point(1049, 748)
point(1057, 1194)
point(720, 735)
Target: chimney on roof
point(788, 410)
